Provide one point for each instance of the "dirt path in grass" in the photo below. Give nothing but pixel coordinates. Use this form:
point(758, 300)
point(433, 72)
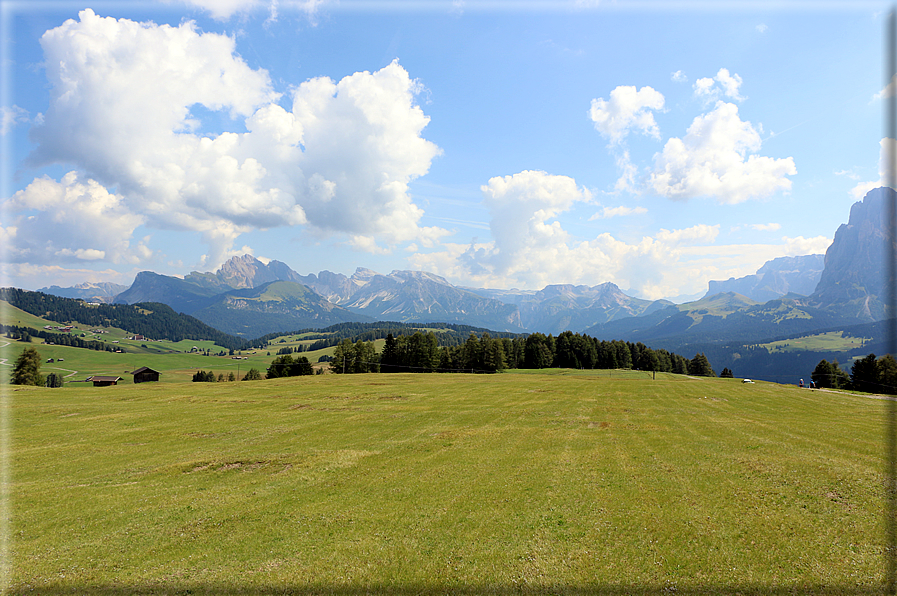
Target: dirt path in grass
point(4, 360)
point(71, 372)
point(866, 395)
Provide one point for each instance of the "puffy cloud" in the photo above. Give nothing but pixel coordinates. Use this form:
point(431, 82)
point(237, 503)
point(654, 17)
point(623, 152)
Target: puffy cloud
point(724, 83)
point(339, 160)
point(74, 221)
point(521, 207)
point(712, 160)
point(653, 267)
point(679, 77)
point(795, 247)
point(608, 212)
point(627, 109)
point(886, 173)
point(530, 248)
point(762, 28)
point(888, 91)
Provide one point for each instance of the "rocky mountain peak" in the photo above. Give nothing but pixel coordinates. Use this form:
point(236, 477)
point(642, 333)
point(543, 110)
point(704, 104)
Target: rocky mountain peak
point(854, 276)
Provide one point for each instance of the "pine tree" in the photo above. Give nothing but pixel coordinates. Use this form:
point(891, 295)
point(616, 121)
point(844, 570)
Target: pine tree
point(699, 366)
point(864, 374)
point(27, 369)
point(887, 374)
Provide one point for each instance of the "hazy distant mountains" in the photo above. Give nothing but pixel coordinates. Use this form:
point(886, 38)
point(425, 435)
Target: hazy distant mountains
point(91, 292)
point(251, 297)
point(778, 277)
point(557, 308)
point(219, 299)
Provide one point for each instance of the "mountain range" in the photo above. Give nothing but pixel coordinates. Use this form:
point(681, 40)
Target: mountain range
point(251, 297)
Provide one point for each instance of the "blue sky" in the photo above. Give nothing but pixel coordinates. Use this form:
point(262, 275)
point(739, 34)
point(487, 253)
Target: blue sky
point(655, 145)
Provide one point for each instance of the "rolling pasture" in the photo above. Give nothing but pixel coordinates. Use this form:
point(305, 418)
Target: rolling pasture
point(175, 360)
point(554, 482)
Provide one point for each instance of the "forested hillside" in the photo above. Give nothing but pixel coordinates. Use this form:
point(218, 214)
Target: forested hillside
point(153, 320)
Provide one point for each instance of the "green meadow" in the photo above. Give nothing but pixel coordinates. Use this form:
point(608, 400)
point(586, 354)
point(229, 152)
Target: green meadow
point(543, 482)
point(831, 341)
point(177, 361)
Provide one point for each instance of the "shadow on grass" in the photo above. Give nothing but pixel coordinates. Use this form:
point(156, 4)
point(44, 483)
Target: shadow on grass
point(463, 590)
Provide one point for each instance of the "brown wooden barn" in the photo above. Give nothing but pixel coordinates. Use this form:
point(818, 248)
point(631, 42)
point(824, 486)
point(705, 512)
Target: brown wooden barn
point(145, 375)
point(101, 381)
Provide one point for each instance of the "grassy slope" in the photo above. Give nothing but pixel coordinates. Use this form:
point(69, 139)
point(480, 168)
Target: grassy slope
point(832, 341)
point(549, 482)
point(172, 359)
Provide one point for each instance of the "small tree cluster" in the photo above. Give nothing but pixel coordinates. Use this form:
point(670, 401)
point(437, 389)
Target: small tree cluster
point(829, 375)
point(201, 376)
point(252, 375)
point(285, 366)
point(360, 357)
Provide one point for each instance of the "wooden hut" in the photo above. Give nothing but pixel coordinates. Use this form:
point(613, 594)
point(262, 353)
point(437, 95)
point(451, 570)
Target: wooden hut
point(101, 381)
point(145, 375)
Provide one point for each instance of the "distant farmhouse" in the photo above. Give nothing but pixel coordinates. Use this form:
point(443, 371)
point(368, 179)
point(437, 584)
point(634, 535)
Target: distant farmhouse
point(101, 381)
point(145, 375)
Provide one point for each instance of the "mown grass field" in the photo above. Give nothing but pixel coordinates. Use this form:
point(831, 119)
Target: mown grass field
point(552, 482)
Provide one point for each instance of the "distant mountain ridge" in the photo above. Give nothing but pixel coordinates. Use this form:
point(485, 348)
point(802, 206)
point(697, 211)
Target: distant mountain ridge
point(786, 294)
point(90, 291)
point(776, 278)
point(560, 307)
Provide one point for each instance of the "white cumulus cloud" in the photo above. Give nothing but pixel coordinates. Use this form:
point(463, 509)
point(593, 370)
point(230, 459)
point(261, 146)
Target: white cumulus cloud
point(713, 160)
point(886, 172)
point(71, 221)
point(627, 109)
point(795, 247)
point(531, 249)
point(337, 160)
point(723, 84)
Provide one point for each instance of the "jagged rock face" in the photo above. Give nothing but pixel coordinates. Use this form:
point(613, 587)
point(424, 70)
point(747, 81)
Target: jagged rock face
point(855, 263)
point(242, 272)
point(776, 278)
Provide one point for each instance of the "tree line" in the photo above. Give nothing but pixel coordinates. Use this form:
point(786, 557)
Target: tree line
point(421, 352)
point(60, 339)
point(868, 374)
point(451, 334)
